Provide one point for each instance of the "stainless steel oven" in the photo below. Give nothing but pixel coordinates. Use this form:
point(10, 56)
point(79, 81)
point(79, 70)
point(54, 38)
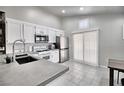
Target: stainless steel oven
point(45, 55)
point(41, 38)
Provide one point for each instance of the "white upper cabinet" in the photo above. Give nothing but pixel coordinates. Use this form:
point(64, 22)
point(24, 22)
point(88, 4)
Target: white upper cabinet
point(14, 30)
point(23, 30)
point(29, 31)
point(52, 35)
point(40, 30)
point(59, 33)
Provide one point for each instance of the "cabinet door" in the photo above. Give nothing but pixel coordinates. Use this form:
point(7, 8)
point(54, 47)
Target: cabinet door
point(59, 33)
point(54, 56)
point(41, 30)
point(78, 46)
point(29, 31)
point(52, 36)
point(51, 57)
point(62, 33)
point(14, 31)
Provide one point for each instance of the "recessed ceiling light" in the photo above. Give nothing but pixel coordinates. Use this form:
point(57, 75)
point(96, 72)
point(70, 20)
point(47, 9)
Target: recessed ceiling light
point(63, 11)
point(81, 8)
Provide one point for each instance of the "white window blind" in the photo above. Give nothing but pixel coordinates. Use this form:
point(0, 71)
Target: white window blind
point(78, 46)
point(90, 48)
point(85, 47)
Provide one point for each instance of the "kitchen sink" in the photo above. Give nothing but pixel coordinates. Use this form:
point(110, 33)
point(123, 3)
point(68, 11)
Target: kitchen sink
point(26, 59)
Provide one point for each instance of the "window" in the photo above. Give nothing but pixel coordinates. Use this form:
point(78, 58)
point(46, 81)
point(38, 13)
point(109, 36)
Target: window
point(84, 23)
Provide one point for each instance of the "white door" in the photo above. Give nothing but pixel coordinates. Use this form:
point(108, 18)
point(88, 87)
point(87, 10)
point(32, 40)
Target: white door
point(78, 46)
point(29, 31)
point(91, 47)
point(14, 31)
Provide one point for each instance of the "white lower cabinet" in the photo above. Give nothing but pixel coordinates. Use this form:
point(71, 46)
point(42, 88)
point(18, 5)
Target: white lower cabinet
point(54, 56)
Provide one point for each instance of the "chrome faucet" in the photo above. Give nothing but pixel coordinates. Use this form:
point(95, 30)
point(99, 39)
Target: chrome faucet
point(14, 47)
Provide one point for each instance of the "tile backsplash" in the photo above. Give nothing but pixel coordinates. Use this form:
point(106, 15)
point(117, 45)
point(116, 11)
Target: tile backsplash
point(19, 47)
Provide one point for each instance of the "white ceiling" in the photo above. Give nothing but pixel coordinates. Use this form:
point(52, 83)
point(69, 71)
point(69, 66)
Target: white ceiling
point(88, 10)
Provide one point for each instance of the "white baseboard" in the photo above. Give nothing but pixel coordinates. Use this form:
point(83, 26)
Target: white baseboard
point(102, 66)
point(80, 61)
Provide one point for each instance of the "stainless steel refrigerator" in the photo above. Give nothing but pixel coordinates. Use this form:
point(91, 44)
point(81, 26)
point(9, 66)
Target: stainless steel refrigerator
point(62, 43)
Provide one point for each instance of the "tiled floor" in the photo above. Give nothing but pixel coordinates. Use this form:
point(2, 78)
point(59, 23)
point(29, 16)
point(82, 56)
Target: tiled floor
point(82, 75)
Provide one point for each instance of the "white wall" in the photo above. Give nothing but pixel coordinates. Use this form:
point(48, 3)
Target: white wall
point(32, 14)
point(111, 44)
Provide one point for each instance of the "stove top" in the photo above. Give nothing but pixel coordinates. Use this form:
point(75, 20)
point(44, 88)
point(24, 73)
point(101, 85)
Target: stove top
point(42, 50)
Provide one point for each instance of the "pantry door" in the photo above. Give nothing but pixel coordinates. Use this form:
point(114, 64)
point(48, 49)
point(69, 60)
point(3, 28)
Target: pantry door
point(78, 47)
point(91, 47)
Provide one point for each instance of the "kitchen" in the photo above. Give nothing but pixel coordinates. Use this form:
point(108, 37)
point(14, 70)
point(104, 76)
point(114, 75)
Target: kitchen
point(27, 42)
point(66, 43)
point(40, 39)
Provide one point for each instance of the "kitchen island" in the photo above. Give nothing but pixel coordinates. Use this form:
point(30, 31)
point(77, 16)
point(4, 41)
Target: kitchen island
point(35, 73)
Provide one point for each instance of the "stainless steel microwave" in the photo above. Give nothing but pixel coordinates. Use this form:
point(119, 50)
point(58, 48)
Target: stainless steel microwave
point(41, 38)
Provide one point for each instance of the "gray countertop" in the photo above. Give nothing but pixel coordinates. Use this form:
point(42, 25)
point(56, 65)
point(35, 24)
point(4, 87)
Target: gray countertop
point(39, 72)
point(32, 52)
